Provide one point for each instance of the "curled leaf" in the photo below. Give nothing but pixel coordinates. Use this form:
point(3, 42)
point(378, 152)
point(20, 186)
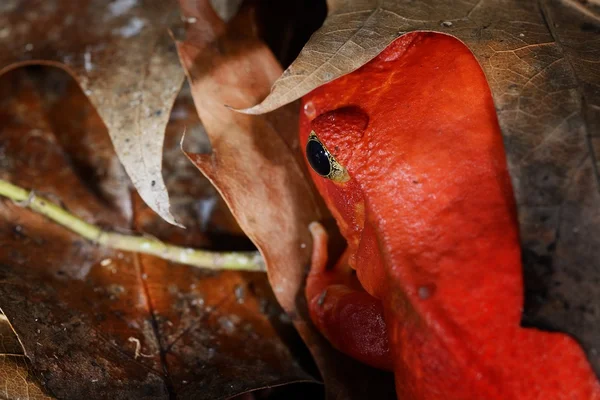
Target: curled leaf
point(260, 178)
point(121, 54)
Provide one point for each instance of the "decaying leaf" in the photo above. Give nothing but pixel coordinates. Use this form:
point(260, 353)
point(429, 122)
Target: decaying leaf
point(16, 378)
point(541, 60)
point(121, 54)
point(124, 325)
point(261, 180)
point(50, 278)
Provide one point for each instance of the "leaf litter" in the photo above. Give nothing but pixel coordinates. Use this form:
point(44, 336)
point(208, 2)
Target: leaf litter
point(539, 65)
point(131, 326)
point(228, 65)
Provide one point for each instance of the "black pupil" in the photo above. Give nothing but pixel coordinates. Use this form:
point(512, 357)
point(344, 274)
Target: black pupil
point(318, 158)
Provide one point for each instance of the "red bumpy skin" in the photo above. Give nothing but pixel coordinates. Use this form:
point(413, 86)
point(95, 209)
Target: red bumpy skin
point(432, 233)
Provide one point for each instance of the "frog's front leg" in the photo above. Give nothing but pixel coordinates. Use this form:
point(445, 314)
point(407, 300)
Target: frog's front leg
point(350, 318)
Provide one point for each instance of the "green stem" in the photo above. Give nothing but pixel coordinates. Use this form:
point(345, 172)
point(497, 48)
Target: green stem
point(248, 261)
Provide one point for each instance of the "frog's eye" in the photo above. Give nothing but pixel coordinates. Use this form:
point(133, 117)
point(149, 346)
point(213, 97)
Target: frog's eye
point(323, 162)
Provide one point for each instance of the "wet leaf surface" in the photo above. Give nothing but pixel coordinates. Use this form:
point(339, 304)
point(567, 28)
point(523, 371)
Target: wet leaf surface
point(272, 200)
point(128, 326)
point(121, 54)
point(540, 59)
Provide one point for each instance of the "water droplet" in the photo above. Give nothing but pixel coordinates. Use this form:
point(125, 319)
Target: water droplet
point(321, 298)
point(264, 306)
point(239, 293)
point(309, 110)
point(226, 324)
point(284, 318)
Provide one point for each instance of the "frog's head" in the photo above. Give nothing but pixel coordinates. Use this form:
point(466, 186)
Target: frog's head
point(332, 146)
point(335, 150)
point(332, 141)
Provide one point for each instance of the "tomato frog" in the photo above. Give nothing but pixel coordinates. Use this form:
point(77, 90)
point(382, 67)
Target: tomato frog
point(409, 158)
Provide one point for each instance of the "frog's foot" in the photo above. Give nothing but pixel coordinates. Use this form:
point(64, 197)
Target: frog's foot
point(352, 320)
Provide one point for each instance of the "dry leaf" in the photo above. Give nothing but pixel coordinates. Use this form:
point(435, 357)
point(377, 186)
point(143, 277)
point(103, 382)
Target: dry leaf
point(224, 333)
point(121, 54)
point(126, 326)
point(17, 381)
point(261, 179)
point(9, 342)
point(541, 60)
point(16, 378)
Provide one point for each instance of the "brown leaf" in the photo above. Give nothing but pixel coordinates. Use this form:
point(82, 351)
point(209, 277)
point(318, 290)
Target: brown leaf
point(223, 333)
point(121, 54)
point(261, 179)
point(16, 378)
point(562, 165)
point(124, 325)
point(49, 276)
point(541, 61)
point(17, 381)
point(9, 342)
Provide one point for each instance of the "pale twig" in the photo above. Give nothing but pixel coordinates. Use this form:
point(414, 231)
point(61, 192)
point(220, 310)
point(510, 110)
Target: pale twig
point(247, 261)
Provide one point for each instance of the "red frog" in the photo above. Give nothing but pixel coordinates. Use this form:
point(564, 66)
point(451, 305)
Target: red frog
point(409, 157)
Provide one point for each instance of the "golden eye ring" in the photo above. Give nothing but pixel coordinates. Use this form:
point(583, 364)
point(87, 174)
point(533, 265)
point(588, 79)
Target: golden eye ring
point(323, 162)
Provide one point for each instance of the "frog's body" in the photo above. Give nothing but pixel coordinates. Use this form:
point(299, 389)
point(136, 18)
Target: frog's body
point(430, 221)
